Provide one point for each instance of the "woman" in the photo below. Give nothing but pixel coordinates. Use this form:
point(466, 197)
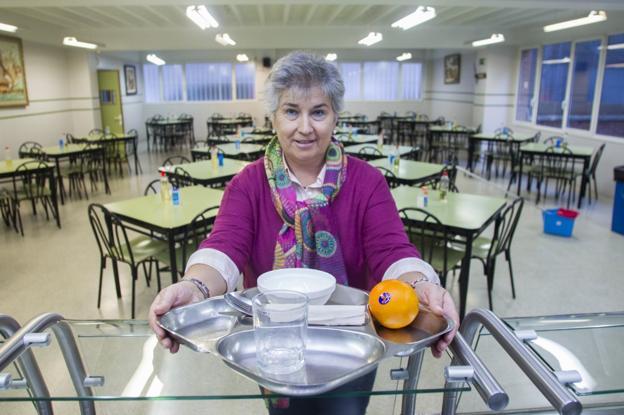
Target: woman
point(305, 204)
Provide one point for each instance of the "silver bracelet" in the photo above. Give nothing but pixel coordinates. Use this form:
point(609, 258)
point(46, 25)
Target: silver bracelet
point(422, 278)
point(200, 286)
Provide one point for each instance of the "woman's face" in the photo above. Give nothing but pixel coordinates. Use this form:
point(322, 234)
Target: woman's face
point(304, 122)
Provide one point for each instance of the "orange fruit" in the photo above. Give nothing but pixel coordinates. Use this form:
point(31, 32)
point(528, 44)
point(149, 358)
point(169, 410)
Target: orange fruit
point(393, 303)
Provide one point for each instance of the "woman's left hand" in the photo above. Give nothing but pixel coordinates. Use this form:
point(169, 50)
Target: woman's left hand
point(441, 303)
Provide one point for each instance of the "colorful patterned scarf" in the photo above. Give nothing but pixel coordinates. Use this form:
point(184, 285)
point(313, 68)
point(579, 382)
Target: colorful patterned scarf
point(307, 238)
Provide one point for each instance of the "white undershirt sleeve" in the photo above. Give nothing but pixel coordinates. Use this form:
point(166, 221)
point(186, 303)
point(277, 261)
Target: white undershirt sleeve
point(412, 264)
point(219, 261)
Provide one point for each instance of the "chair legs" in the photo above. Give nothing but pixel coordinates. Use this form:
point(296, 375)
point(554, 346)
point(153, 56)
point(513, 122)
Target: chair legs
point(513, 287)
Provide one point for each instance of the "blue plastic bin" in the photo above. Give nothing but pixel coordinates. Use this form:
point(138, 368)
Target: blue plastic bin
point(557, 224)
point(617, 222)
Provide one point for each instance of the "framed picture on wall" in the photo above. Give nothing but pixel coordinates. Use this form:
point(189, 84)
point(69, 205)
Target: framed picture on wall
point(13, 90)
point(452, 66)
point(131, 81)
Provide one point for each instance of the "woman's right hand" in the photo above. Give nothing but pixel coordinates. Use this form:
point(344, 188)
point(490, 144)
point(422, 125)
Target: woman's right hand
point(176, 295)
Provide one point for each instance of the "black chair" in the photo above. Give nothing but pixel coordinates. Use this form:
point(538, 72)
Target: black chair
point(113, 243)
point(152, 187)
point(370, 152)
point(432, 239)
point(181, 178)
point(98, 132)
point(30, 184)
point(487, 250)
point(130, 151)
point(590, 174)
point(31, 149)
point(175, 160)
point(559, 166)
point(390, 177)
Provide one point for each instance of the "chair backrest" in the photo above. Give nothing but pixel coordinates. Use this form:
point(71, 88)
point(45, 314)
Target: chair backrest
point(411, 114)
point(30, 149)
point(98, 132)
point(441, 120)
point(427, 233)
point(198, 230)
point(557, 162)
point(174, 160)
point(596, 159)
point(505, 227)
point(389, 175)
point(69, 138)
point(181, 178)
point(370, 150)
point(110, 239)
point(152, 187)
point(32, 175)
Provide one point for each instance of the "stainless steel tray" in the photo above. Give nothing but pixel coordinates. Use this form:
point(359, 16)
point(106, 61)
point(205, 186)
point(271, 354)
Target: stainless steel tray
point(333, 357)
point(214, 326)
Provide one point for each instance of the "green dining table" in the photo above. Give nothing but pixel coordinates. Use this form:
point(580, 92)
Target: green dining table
point(515, 140)
point(463, 214)
point(8, 170)
point(151, 216)
point(117, 138)
point(583, 153)
point(67, 151)
point(205, 173)
point(386, 150)
point(410, 172)
point(243, 151)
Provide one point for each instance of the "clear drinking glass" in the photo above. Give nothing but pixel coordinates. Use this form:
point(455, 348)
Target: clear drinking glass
point(280, 326)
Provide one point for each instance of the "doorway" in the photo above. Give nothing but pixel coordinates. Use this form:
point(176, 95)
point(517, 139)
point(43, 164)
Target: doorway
point(109, 91)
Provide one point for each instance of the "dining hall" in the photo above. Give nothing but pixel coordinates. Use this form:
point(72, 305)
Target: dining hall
point(439, 183)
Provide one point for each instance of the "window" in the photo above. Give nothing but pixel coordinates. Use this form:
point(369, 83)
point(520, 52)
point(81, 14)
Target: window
point(172, 82)
point(584, 73)
point(611, 114)
point(526, 85)
point(209, 81)
point(352, 78)
point(152, 83)
point(245, 80)
point(411, 75)
point(381, 80)
point(555, 61)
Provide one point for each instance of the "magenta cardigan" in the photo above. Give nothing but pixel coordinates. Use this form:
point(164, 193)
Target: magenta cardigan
point(369, 230)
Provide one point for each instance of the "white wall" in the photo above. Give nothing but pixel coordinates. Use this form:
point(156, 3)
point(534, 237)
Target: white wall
point(61, 98)
point(453, 101)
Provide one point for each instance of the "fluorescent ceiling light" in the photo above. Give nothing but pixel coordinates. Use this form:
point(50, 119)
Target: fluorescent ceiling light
point(421, 15)
point(242, 57)
point(593, 17)
point(556, 61)
point(404, 56)
point(8, 28)
point(371, 39)
point(152, 58)
point(72, 41)
point(331, 57)
point(224, 39)
point(201, 17)
point(495, 38)
point(616, 46)
point(615, 66)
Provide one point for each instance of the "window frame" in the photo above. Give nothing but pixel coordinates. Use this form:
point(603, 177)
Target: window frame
point(588, 134)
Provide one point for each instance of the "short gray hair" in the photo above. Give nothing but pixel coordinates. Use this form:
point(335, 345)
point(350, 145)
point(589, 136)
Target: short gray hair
point(304, 70)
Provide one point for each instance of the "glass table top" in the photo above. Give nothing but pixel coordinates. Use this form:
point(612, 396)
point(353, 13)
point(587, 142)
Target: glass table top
point(136, 368)
point(591, 344)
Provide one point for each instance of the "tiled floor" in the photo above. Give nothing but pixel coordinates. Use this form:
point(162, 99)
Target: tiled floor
point(56, 270)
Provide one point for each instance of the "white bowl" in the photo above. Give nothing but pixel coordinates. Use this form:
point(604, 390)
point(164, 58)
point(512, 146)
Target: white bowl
point(317, 285)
